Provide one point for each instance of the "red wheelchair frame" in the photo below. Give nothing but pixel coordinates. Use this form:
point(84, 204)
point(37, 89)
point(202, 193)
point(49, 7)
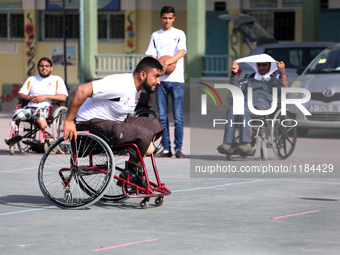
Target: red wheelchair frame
point(90, 172)
point(152, 189)
point(27, 139)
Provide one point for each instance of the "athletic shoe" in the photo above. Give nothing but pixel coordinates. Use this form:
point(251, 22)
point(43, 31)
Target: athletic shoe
point(225, 148)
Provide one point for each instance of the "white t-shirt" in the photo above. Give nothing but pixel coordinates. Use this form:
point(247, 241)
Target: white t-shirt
point(169, 43)
point(36, 86)
point(114, 97)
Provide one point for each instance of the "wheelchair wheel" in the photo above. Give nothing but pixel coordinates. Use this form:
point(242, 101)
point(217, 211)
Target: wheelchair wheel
point(23, 128)
point(283, 137)
point(79, 177)
point(151, 114)
point(58, 126)
point(115, 193)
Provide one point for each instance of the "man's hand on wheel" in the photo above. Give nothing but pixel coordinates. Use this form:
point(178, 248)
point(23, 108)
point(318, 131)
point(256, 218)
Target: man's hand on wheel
point(70, 131)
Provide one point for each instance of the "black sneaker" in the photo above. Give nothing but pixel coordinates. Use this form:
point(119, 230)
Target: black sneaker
point(13, 140)
point(135, 176)
point(32, 142)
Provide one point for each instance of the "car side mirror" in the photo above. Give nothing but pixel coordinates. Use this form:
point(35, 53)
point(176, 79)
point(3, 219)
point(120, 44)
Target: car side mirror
point(300, 70)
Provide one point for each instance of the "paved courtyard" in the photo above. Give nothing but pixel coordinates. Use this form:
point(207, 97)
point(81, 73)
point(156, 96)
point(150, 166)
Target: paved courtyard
point(201, 216)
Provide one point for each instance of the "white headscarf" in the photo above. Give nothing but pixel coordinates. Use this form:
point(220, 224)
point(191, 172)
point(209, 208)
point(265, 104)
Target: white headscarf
point(261, 58)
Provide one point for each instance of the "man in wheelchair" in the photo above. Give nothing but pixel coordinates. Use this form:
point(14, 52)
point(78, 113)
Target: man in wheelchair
point(266, 76)
point(36, 96)
point(105, 105)
point(39, 92)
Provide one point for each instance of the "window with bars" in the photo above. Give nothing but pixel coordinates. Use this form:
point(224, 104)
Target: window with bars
point(11, 26)
point(51, 25)
point(281, 25)
point(284, 26)
point(111, 26)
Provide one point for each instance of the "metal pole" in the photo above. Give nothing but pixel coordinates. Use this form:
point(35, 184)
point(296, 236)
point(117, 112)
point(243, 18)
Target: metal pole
point(81, 43)
point(64, 37)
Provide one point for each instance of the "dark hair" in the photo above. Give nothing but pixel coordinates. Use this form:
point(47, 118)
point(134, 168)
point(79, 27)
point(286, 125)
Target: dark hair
point(148, 63)
point(45, 59)
point(167, 9)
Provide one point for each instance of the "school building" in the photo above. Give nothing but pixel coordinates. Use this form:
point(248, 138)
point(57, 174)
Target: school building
point(108, 36)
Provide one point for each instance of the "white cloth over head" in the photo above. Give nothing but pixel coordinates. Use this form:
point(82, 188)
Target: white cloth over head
point(260, 58)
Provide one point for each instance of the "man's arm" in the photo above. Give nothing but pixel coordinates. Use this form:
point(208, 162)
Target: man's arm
point(283, 74)
point(234, 73)
point(81, 94)
point(38, 99)
point(22, 96)
point(178, 55)
point(171, 60)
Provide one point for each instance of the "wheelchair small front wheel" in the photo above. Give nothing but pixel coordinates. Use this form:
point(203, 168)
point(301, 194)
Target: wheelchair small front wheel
point(47, 144)
point(144, 203)
point(159, 201)
point(11, 150)
point(264, 150)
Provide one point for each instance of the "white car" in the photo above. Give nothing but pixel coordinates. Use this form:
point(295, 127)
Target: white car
point(294, 55)
point(322, 79)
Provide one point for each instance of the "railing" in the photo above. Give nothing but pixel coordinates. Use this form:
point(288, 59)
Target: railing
point(218, 65)
point(214, 65)
point(117, 63)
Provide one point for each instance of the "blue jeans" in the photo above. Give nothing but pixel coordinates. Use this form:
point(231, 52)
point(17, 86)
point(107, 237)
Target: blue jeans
point(175, 89)
point(229, 130)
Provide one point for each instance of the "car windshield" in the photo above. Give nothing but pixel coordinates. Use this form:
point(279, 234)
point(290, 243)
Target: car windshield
point(327, 62)
point(293, 57)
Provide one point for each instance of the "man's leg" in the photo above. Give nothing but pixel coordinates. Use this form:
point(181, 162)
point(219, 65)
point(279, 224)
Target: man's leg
point(40, 116)
point(162, 104)
point(229, 129)
point(229, 132)
point(41, 123)
point(177, 95)
point(139, 130)
point(246, 132)
point(22, 114)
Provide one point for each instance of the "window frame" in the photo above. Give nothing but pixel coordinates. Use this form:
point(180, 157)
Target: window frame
point(267, 19)
point(42, 22)
point(108, 28)
point(8, 27)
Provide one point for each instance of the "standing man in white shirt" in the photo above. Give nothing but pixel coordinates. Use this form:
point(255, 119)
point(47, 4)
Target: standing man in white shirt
point(170, 41)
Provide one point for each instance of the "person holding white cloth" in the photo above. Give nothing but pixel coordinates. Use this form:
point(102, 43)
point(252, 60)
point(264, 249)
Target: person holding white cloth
point(267, 74)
